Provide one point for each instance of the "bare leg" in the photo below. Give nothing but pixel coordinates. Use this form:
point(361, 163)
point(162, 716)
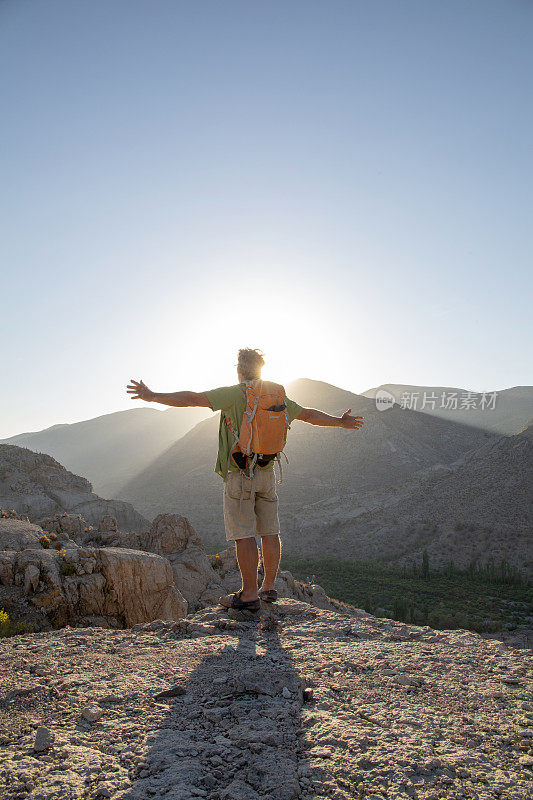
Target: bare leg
point(248, 560)
point(271, 549)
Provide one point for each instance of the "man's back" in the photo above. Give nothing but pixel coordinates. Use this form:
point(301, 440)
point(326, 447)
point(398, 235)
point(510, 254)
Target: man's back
point(231, 401)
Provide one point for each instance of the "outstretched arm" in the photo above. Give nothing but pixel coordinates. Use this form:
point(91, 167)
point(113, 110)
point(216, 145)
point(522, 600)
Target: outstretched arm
point(315, 417)
point(140, 391)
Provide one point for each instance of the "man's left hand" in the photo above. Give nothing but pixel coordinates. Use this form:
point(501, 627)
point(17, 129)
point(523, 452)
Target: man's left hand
point(347, 421)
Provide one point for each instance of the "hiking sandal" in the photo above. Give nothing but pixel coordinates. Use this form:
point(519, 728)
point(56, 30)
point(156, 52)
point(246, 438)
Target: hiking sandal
point(243, 605)
point(268, 595)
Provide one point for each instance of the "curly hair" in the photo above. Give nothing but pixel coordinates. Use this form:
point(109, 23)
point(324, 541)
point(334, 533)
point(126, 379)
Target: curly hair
point(250, 362)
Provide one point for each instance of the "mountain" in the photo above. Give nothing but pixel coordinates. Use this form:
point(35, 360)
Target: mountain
point(324, 462)
point(504, 412)
point(35, 484)
point(479, 508)
point(110, 450)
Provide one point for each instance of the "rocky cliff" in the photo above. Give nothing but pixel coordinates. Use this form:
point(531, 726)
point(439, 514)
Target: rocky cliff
point(39, 486)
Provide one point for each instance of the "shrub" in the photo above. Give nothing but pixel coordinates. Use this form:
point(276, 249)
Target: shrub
point(9, 628)
point(68, 569)
point(45, 541)
point(5, 622)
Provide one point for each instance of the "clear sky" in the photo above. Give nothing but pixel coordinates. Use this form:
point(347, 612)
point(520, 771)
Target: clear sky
point(347, 185)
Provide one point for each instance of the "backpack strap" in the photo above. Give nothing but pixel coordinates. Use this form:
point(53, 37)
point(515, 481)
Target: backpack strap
point(235, 437)
point(249, 417)
point(278, 459)
point(251, 462)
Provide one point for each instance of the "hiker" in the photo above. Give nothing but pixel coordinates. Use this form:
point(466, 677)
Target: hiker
point(255, 417)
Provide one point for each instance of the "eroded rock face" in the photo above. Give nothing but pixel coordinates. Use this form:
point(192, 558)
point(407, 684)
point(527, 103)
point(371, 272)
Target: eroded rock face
point(139, 585)
point(39, 486)
point(116, 587)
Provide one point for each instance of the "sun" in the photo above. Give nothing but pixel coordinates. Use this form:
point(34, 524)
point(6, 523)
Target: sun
point(297, 333)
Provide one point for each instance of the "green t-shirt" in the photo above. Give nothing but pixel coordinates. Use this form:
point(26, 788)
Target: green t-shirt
point(232, 401)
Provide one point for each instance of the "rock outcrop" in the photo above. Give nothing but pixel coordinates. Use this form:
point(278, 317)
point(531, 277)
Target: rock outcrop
point(85, 575)
point(226, 567)
point(69, 583)
point(39, 486)
point(302, 704)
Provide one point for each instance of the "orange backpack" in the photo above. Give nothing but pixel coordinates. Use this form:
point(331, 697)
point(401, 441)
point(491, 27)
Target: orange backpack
point(264, 426)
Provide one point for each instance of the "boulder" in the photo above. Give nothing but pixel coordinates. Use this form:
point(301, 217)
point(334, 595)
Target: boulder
point(174, 537)
point(140, 586)
point(108, 523)
point(15, 534)
point(31, 578)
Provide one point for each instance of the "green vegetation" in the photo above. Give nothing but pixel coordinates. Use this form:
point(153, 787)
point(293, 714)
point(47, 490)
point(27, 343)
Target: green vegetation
point(480, 598)
point(10, 628)
point(66, 567)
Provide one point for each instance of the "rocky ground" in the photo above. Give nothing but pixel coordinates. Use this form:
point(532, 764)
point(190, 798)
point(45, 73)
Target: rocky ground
point(301, 703)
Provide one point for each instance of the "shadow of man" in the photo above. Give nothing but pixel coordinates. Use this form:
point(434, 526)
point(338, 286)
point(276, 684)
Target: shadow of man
point(236, 732)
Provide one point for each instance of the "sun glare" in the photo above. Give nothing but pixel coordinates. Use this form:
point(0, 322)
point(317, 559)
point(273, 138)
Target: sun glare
point(199, 349)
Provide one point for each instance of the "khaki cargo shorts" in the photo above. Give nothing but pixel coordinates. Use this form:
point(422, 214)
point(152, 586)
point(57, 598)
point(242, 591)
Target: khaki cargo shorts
point(250, 504)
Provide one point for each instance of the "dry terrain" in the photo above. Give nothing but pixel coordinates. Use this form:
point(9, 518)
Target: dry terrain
point(305, 703)
point(110, 450)
point(478, 508)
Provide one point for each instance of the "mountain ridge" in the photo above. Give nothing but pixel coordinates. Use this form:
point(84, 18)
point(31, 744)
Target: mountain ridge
point(110, 449)
point(513, 407)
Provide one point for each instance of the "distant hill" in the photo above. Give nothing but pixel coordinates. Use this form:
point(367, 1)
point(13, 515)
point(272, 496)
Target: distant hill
point(324, 462)
point(478, 508)
point(506, 413)
point(110, 450)
point(37, 485)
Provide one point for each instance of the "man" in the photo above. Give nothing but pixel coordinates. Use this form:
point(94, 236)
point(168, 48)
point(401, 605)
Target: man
point(250, 504)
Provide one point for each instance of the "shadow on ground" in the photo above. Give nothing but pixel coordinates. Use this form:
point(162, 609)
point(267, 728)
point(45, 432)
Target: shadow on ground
point(236, 733)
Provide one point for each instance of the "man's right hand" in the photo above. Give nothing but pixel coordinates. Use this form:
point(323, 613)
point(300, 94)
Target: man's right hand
point(140, 391)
